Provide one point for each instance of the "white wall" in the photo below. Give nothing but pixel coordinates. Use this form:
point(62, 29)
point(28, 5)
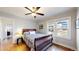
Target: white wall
point(23, 24)
point(65, 42)
point(17, 24)
point(0, 30)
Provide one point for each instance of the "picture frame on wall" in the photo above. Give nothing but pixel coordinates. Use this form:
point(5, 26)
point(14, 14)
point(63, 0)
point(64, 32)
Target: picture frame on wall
point(41, 26)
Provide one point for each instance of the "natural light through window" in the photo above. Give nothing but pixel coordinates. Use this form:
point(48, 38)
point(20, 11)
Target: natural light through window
point(61, 28)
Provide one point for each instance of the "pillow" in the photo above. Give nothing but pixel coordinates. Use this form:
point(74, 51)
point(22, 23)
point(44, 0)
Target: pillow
point(32, 32)
point(27, 33)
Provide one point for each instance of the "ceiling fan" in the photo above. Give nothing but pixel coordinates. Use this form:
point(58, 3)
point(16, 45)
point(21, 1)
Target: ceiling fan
point(34, 12)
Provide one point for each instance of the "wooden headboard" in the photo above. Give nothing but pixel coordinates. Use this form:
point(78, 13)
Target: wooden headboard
point(27, 30)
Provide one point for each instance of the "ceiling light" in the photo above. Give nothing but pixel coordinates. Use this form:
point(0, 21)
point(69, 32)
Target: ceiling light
point(33, 14)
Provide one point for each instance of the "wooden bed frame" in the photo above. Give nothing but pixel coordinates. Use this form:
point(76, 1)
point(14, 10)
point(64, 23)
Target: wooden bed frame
point(27, 30)
point(37, 41)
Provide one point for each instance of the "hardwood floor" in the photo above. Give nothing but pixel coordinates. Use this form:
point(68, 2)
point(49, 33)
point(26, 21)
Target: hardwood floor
point(9, 46)
point(56, 47)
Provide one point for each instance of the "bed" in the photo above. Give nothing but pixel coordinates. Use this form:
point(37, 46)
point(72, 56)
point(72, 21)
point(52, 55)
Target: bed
point(37, 41)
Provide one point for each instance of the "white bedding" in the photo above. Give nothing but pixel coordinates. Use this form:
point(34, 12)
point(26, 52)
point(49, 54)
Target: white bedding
point(32, 37)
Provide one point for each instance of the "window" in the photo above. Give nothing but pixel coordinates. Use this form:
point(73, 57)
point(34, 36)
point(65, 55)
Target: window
point(60, 28)
point(51, 27)
point(77, 24)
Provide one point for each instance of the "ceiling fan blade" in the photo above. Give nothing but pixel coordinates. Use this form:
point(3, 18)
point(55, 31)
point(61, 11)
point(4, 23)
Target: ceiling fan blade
point(37, 8)
point(28, 13)
point(40, 14)
point(28, 9)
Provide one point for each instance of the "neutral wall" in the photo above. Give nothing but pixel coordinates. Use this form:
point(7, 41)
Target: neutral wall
point(0, 30)
point(17, 25)
point(23, 24)
point(65, 42)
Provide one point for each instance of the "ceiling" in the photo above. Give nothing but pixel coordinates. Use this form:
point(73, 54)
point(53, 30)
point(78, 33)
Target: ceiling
point(19, 12)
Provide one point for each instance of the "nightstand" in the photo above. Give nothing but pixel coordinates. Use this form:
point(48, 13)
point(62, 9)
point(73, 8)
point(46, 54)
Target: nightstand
point(19, 36)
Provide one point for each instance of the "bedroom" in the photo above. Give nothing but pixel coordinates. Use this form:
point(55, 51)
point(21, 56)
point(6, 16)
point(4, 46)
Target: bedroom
point(14, 20)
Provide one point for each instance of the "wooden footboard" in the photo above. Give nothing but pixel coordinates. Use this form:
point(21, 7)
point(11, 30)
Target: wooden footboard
point(43, 43)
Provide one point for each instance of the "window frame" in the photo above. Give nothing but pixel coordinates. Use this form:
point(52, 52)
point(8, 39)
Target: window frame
point(69, 27)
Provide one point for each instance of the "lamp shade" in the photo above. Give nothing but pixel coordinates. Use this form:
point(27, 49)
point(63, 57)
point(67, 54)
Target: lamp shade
point(19, 34)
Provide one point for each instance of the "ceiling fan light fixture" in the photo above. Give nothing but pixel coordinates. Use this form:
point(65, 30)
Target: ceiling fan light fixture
point(33, 14)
